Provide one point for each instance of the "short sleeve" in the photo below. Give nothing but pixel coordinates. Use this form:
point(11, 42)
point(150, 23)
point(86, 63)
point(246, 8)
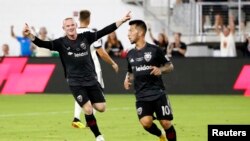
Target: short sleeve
point(19, 38)
point(183, 46)
point(129, 68)
point(97, 44)
point(161, 57)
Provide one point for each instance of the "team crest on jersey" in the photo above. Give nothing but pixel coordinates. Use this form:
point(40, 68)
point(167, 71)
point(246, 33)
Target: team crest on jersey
point(147, 56)
point(79, 98)
point(139, 111)
point(83, 45)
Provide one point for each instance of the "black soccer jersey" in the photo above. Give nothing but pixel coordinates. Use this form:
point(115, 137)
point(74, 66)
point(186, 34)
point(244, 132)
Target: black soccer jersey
point(75, 55)
point(147, 87)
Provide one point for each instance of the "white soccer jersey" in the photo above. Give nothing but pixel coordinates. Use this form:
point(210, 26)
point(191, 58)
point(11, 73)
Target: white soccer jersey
point(97, 44)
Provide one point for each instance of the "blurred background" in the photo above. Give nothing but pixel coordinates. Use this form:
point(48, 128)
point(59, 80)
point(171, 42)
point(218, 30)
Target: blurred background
point(208, 42)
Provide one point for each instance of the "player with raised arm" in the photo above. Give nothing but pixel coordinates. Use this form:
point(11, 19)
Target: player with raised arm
point(146, 64)
point(74, 51)
point(96, 47)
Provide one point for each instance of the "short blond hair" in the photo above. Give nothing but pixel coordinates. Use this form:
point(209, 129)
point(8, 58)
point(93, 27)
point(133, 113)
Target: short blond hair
point(68, 18)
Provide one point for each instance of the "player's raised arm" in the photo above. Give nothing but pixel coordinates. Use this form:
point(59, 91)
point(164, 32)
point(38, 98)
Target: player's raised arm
point(35, 40)
point(108, 29)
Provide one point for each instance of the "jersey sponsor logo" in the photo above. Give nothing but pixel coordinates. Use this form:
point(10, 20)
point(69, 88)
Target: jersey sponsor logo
point(143, 68)
point(80, 54)
point(79, 98)
point(139, 110)
point(147, 56)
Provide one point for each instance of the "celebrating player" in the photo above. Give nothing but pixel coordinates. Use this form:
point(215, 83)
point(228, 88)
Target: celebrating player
point(146, 64)
point(74, 50)
point(96, 47)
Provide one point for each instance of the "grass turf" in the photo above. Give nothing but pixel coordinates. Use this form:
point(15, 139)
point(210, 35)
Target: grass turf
point(48, 117)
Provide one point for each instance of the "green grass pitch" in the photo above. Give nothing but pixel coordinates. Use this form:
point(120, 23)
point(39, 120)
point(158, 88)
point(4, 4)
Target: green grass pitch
point(48, 117)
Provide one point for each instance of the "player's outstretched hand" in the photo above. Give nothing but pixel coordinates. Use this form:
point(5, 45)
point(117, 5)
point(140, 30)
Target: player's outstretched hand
point(124, 19)
point(127, 83)
point(115, 67)
point(155, 71)
point(127, 17)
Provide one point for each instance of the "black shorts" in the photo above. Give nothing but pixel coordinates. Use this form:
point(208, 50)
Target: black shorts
point(161, 107)
point(83, 94)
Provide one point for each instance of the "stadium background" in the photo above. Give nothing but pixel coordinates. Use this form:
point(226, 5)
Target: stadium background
point(203, 88)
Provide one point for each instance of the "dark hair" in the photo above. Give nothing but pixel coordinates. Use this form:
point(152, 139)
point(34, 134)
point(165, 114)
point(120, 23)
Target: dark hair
point(139, 23)
point(178, 33)
point(84, 15)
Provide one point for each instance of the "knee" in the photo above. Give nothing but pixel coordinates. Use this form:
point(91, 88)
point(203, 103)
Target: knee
point(100, 107)
point(166, 124)
point(88, 109)
point(146, 123)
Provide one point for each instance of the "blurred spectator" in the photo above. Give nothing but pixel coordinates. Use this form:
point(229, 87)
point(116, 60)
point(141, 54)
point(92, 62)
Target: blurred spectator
point(25, 43)
point(5, 50)
point(42, 34)
point(113, 45)
point(233, 9)
point(208, 12)
point(162, 40)
point(227, 42)
point(246, 47)
point(177, 48)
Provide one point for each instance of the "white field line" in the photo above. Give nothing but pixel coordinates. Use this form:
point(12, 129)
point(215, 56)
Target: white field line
point(55, 113)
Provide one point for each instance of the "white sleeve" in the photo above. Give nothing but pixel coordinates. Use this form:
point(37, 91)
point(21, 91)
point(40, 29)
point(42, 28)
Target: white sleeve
point(97, 44)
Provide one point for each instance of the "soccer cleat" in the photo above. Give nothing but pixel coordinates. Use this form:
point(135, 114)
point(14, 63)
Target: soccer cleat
point(163, 138)
point(100, 138)
point(78, 124)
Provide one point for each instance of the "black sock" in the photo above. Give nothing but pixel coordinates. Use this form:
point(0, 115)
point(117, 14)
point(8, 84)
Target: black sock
point(76, 120)
point(91, 122)
point(171, 134)
point(154, 130)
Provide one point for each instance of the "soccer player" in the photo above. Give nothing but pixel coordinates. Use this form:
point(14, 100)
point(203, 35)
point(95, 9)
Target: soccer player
point(96, 47)
point(74, 50)
point(146, 64)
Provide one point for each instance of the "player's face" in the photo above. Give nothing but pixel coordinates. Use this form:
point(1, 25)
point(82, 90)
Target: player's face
point(69, 26)
point(133, 34)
